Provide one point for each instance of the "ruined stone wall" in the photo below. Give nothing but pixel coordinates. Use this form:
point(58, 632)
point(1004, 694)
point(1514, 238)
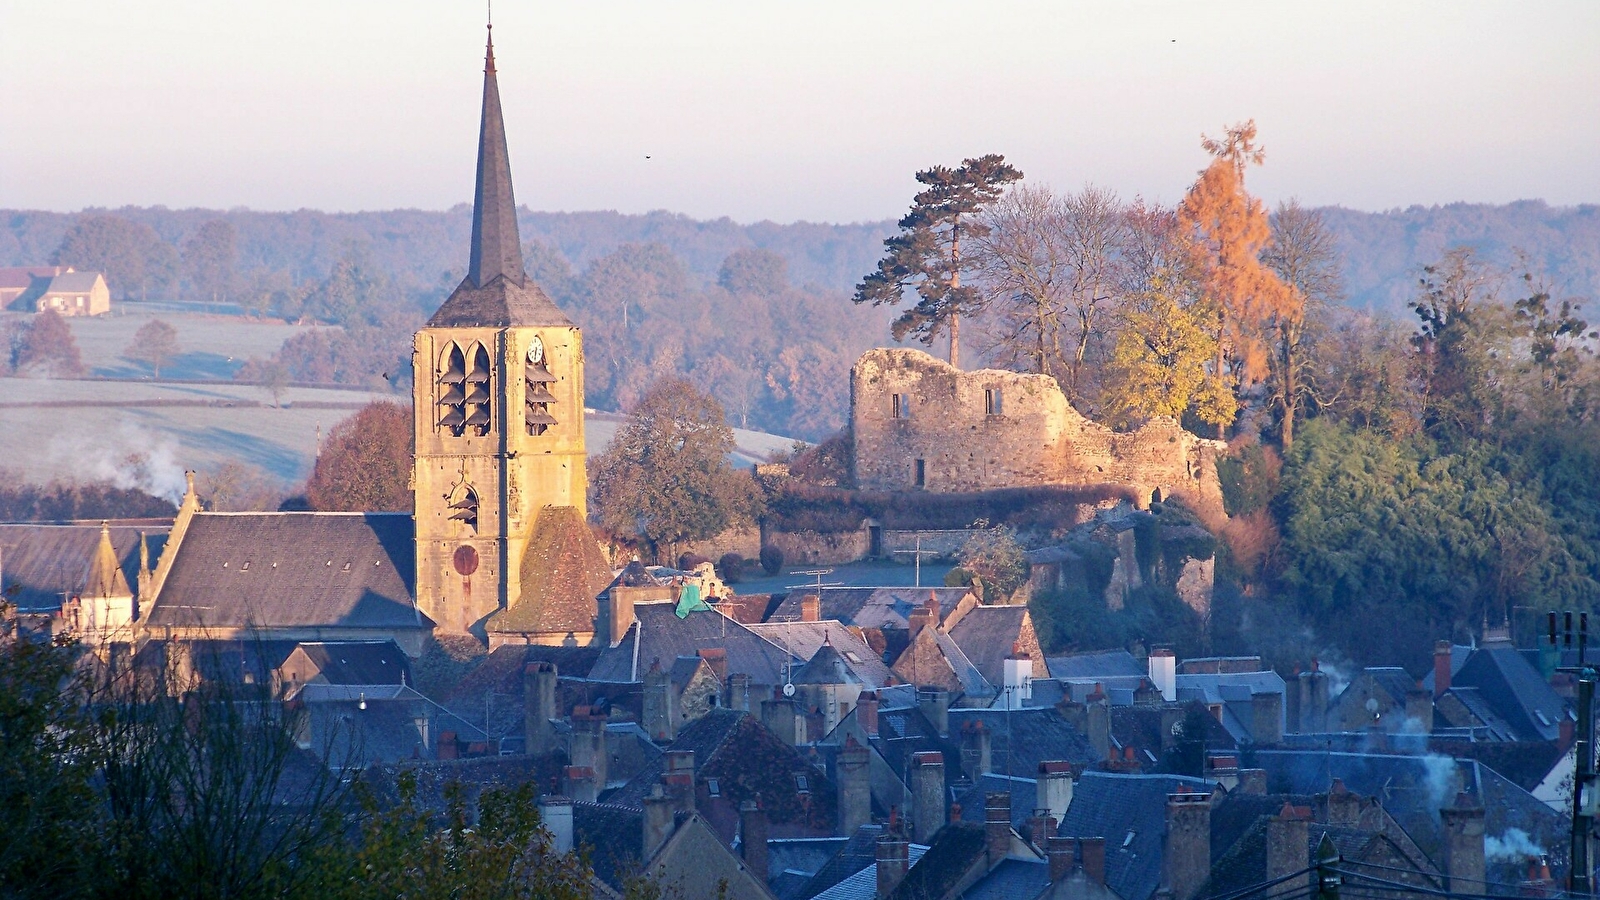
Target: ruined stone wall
point(988, 429)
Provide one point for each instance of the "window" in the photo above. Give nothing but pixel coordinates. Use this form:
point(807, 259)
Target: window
point(802, 784)
point(478, 395)
point(713, 787)
point(464, 507)
point(991, 402)
point(453, 390)
point(902, 406)
point(536, 380)
point(921, 474)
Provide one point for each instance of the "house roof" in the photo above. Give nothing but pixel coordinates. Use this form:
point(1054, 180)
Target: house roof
point(73, 283)
point(858, 852)
point(614, 836)
point(1024, 798)
point(955, 849)
point(666, 637)
point(863, 884)
point(871, 607)
point(14, 277)
point(987, 635)
point(44, 561)
point(1013, 879)
point(1515, 690)
point(105, 570)
point(358, 662)
point(347, 570)
point(793, 862)
point(1094, 664)
point(1130, 812)
point(563, 571)
point(1021, 739)
point(805, 639)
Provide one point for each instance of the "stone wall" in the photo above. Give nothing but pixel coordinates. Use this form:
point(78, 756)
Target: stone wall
point(987, 429)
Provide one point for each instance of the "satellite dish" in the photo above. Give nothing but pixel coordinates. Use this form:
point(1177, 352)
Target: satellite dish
point(788, 690)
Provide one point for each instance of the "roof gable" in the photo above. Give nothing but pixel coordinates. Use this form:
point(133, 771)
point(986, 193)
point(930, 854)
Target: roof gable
point(563, 571)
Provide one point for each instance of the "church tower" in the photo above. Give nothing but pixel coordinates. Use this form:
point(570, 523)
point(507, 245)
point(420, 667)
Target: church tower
point(498, 416)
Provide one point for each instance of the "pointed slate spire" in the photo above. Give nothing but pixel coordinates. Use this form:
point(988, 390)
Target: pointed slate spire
point(105, 573)
point(496, 246)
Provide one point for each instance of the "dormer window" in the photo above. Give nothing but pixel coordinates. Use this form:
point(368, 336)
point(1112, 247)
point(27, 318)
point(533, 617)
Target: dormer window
point(536, 382)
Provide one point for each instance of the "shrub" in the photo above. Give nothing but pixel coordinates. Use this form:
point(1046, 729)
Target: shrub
point(771, 560)
point(687, 561)
point(731, 567)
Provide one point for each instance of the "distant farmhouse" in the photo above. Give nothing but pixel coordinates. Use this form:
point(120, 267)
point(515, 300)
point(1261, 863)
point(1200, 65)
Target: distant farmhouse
point(58, 288)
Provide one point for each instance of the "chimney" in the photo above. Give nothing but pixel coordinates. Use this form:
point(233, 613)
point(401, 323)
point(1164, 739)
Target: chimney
point(1093, 852)
point(1187, 861)
point(976, 759)
point(893, 858)
point(717, 659)
point(449, 746)
point(1288, 844)
point(997, 826)
point(578, 782)
point(927, 794)
point(1171, 716)
point(1055, 787)
point(1464, 862)
point(1253, 781)
point(660, 705)
point(1017, 675)
point(586, 745)
point(1313, 686)
point(935, 705)
point(782, 719)
point(1164, 673)
point(1266, 718)
point(1041, 825)
point(539, 706)
point(1097, 719)
point(1441, 668)
point(811, 608)
point(1419, 709)
point(739, 691)
point(1344, 806)
point(556, 815)
point(659, 821)
point(867, 713)
point(753, 838)
point(855, 787)
point(1062, 852)
point(619, 613)
point(920, 618)
point(677, 778)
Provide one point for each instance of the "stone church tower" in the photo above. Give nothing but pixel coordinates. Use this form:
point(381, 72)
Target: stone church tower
point(498, 415)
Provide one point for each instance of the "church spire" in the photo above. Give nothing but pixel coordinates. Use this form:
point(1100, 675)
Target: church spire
point(496, 246)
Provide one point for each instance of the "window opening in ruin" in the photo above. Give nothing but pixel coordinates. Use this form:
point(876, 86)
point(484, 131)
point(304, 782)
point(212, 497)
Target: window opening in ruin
point(536, 381)
point(991, 402)
point(902, 408)
point(922, 473)
point(478, 394)
point(453, 390)
point(464, 508)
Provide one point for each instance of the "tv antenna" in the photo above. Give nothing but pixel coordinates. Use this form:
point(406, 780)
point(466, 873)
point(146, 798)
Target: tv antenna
point(918, 553)
point(820, 584)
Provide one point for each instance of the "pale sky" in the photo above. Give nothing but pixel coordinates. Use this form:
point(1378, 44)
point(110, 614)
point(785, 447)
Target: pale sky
point(766, 110)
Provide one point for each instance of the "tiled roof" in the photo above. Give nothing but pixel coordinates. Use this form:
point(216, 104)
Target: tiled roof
point(1094, 664)
point(1130, 812)
point(869, 607)
point(863, 885)
point(805, 639)
point(1021, 739)
point(73, 283)
point(563, 571)
point(45, 561)
point(359, 662)
point(350, 570)
point(614, 837)
point(667, 637)
point(987, 634)
point(22, 276)
point(955, 849)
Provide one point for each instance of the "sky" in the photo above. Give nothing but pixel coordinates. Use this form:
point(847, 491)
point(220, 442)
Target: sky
point(818, 111)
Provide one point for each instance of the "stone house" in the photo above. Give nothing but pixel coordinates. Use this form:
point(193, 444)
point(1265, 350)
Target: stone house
point(69, 293)
point(16, 280)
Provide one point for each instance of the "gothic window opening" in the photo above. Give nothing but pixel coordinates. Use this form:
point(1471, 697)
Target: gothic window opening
point(478, 397)
point(453, 391)
point(464, 507)
point(537, 380)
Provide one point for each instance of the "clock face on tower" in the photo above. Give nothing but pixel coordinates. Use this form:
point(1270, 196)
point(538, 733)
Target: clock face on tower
point(536, 351)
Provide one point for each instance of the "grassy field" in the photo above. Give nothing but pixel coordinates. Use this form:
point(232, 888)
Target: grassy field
point(210, 346)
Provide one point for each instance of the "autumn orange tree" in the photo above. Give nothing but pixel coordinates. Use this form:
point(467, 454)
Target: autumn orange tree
point(365, 464)
point(1226, 231)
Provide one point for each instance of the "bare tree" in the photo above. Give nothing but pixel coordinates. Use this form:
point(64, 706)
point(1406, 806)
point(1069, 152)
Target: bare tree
point(1306, 259)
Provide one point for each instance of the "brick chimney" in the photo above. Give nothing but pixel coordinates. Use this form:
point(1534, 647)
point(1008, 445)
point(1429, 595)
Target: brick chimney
point(1344, 806)
point(586, 745)
point(1419, 709)
point(1266, 718)
point(927, 794)
point(893, 857)
point(920, 618)
point(867, 713)
point(1187, 860)
point(660, 712)
point(753, 838)
point(1062, 853)
point(539, 706)
point(1441, 668)
point(1041, 825)
point(1464, 862)
point(855, 787)
point(578, 782)
point(996, 826)
point(1097, 719)
point(659, 821)
point(811, 608)
point(1288, 840)
point(1313, 700)
point(975, 754)
point(677, 778)
point(1093, 851)
point(782, 718)
point(555, 813)
point(1253, 781)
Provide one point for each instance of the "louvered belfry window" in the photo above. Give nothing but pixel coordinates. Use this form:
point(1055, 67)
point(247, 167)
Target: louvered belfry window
point(464, 508)
point(478, 395)
point(453, 391)
point(539, 399)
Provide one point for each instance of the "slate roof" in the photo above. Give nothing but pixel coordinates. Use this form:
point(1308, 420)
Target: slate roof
point(903, 731)
point(1021, 739)
point(863, 885)
point(1130, 812)
point(955, 848)
point(805, 639)
point(1013, 879)
point(614, 837)
point(858, 852)
point(986, 634)
point(359, 662)
point(43, 561)
point(563, 571)
point(667, 637)
point(1515, 690)
point(1024, 797)
point(350, 570)
point(869, 607)
point(1244, 862)
point(1233, 692)
point(793, 862)
point(1094, 664)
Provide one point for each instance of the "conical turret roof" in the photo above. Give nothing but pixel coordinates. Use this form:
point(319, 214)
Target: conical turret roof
point(105, 572)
